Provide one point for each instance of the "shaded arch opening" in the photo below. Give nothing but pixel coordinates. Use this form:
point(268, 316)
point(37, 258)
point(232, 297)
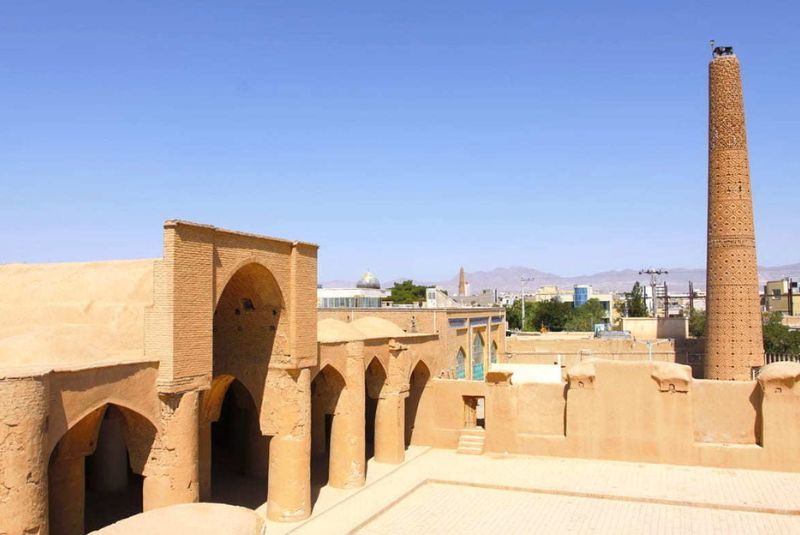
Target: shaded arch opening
point(493, 353)
point(326, 390)
point(416, 404)
point(239, 452)
point(95, 471)
point(374, 381)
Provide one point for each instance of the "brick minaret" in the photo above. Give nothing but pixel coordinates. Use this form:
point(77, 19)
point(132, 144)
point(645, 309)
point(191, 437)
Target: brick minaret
point(733, 311)
point(462, 282)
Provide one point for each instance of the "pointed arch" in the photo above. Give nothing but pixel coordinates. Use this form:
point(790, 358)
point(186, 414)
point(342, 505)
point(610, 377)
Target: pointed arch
point(249, 324)
point(104, 452)
point(461, 364)
point(416, 403)
point(478, 355)
point(375, 378)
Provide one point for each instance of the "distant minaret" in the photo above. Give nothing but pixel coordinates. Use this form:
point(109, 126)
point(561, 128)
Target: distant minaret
point(462, 282)
point(733, 311)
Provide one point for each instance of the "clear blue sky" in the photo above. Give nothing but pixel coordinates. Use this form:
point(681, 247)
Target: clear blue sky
point(404, 137)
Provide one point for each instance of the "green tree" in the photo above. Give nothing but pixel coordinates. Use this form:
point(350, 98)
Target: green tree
point(585, 316)
point(778, 338)
point(697, 323)
point(634, 305)
point(551, 315)
point(407, 293)
point(514, 315)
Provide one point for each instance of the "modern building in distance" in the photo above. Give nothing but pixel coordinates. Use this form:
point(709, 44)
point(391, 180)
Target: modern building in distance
point(579, 295)
point(782, 296)
point(366, 294)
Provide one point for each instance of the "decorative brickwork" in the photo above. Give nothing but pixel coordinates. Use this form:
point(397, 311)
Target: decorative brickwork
point(733, 330)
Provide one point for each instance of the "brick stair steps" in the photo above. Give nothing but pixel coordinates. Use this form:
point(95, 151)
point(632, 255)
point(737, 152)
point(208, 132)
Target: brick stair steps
point(471, 441)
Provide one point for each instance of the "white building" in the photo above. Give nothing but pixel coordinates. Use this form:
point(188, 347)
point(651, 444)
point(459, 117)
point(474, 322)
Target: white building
point(366, 294)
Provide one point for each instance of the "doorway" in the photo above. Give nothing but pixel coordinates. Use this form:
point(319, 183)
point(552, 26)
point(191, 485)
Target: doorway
point(474, 412)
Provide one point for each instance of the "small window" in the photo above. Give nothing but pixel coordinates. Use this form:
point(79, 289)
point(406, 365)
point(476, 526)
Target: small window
point(247, 304)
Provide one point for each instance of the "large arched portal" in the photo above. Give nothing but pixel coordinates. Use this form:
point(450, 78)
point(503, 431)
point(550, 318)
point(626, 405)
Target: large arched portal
point(415, 404)
point(95, 470)
point(248, 326)
point(248, 329)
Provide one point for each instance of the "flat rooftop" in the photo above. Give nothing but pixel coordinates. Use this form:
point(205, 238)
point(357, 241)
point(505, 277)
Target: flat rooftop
point(74, 314)
point(440, 491)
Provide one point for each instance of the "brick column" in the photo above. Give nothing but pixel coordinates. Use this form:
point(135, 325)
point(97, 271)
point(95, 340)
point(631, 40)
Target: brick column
point(390, 427)
point(289, 487)
point(23, 457)
point(172, 474)
point(348, 456)
point(68, 493)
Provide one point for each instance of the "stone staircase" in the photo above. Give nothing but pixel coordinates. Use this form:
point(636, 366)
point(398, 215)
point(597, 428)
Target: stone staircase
point(471, 441)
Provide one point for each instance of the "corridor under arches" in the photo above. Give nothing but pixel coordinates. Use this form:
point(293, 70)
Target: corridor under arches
point(94, 479)
point(239, 452)
point(374, 381)
point(415, 403)
point(326, 391)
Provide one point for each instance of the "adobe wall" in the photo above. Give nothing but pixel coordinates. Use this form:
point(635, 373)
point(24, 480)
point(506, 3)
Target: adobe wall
point(653, 328)
point(531, 349)
point(53, 416)
point(635, 411)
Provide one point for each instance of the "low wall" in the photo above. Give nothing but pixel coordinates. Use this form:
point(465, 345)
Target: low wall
point(570, 350)
point(652, 328)
point(634, 411)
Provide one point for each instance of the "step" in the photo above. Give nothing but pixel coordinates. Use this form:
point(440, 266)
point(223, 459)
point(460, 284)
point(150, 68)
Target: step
point(471, 441)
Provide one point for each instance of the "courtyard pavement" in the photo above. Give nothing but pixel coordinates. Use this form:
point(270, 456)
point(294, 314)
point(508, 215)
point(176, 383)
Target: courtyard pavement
point(438, 491)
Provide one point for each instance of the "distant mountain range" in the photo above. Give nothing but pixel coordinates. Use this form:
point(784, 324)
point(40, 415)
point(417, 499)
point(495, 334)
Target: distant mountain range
point(508, 279)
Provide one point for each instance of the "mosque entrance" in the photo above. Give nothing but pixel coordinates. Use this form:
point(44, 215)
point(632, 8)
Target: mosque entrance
point(239, 452)
point(249, 325)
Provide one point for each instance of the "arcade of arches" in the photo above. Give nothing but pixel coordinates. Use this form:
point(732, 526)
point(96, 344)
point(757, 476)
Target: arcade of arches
point(213, 383)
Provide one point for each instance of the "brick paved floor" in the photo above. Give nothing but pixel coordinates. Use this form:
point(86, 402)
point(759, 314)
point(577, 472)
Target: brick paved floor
point(438, 491)
point(439, 508)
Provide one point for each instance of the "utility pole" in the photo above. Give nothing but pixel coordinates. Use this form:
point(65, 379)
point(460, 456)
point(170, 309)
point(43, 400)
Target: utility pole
point(523, 280)
point(654, 273)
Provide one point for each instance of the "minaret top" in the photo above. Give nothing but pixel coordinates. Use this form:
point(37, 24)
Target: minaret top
point(720, 51)
point(462, 282)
